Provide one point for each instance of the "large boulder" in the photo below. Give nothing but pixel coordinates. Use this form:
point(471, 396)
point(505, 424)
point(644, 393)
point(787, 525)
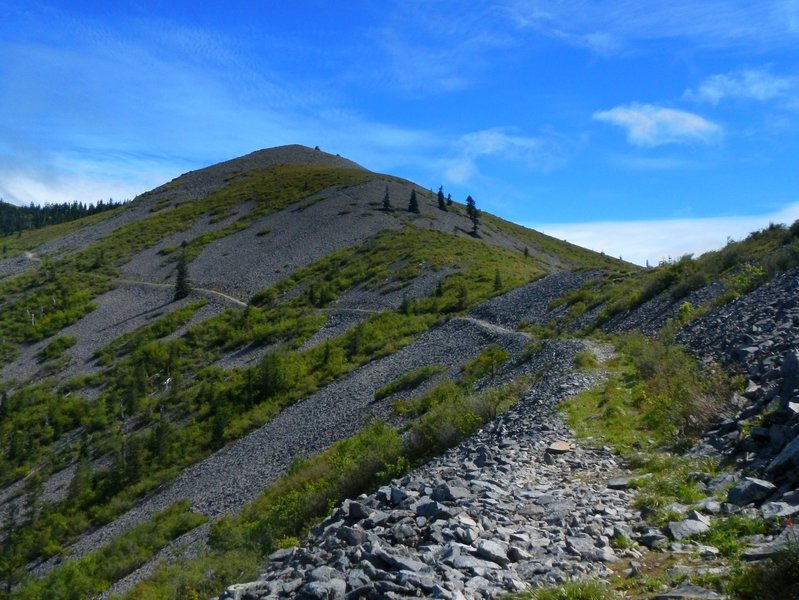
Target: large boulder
point(750, 489)
point(786, 461)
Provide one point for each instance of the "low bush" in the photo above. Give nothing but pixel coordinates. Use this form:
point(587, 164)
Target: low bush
point(776, 578)
point(408, 381)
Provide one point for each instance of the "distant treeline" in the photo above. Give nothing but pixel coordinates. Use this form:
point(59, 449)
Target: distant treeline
point(18, 218)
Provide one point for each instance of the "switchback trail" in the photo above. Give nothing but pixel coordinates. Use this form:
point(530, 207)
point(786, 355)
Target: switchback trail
point(216, 293)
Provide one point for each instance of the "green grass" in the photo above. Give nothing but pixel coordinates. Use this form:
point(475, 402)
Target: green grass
point(776, 578)
point(408, 381)
point(579, 590)
point(741, 265)
point(728, 533)
point(94, 573)
point(56, 348)
point(657, 398)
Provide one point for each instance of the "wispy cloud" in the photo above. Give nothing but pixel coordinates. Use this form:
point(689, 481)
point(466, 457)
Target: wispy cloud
point(714, 23)
point(62, 178)
point(648, 125)
point(537, 153)
point(750, 84)
point(656, 240)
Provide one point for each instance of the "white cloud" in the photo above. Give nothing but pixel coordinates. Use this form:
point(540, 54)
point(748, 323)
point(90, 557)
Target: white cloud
point(540, 153)
point(89, 178)
point(649, 126)
point(654, 241)
point(752, 84)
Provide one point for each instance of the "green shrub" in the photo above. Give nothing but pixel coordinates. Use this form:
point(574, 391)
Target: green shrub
point(93, 573)
point(408, 381)
point(486, 363)
point(56, 348)
point(776, 578)
point(585, 359)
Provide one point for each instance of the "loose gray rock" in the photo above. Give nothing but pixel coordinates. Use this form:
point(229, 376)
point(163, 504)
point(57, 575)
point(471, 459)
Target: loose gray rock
point(750, 489)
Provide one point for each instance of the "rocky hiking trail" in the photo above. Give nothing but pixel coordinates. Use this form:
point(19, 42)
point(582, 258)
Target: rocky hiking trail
point(518, 503)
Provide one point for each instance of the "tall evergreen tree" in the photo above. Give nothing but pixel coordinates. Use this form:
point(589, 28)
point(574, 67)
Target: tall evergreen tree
point(474, 214)
point(442, 205)
point(386, 201)
point(413, 203)
point(449, 199)
point(182, 286)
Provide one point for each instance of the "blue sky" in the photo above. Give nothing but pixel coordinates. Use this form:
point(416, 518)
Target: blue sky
point(643, 129)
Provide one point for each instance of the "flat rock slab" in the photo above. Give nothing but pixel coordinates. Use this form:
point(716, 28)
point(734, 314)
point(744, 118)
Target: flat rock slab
point(559, 447)
point(678, 530)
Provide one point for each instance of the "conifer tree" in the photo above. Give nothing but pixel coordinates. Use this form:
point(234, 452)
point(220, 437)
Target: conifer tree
point(474, 214)
point(449, 199)
point(182, 286)
point(413, 203)
point(441, 203)
point(386, 201)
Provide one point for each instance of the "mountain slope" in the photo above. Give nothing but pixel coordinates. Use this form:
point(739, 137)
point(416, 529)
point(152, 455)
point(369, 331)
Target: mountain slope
point(301, 283)
point(328, 346)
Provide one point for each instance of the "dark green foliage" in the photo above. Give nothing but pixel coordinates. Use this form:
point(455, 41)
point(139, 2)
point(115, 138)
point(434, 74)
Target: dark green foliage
point(92, 574)
point(19, 218)
point(474, 215)
point(486, 363)
point(497, 281)
point(408, 381)
point(182, 285)
point(449, 199)
point(56, 348)
point(776, 578)
point(442, 205)
point(741, 266)
point(386, 201)
point(413, 203)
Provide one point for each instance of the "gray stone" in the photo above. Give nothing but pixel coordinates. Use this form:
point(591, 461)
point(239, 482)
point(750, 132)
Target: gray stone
point(397, 495)
point(353, 537)
point(687, 591)
point(710, 505)
point(335, 589)
point(678, 530)
point(749, 490)
point(769, 510)
point(472, 564)
point(358, 511)
point(786, 460)
point(377, 517)
point(427, 507)
point(324, 573)
point(282, 554)
point(623, 483)
point(450, 493)
point(492, 551)
point(582, 545)
point(721, 481)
